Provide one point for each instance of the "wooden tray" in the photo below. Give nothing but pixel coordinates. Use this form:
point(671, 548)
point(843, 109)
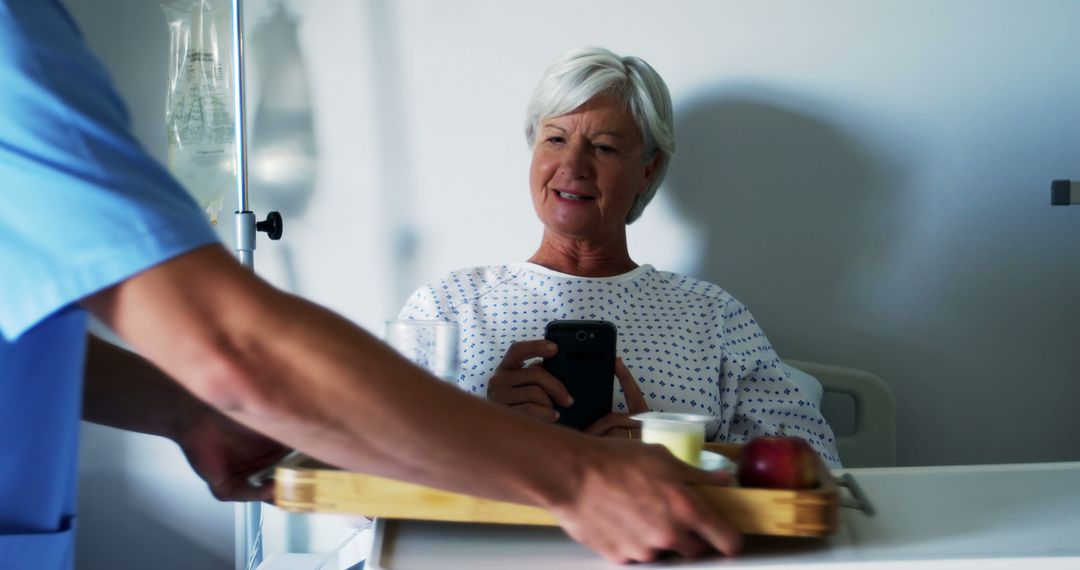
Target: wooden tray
point(307, 486)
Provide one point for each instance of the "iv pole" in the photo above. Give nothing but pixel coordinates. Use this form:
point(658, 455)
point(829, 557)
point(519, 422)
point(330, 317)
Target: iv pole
point(249, 515)
point(245, 218)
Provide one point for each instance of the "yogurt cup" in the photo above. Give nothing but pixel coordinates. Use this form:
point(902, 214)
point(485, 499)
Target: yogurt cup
point(682, 434)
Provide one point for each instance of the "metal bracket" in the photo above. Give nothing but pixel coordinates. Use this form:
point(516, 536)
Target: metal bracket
point(859, 500)
point(1064, 192)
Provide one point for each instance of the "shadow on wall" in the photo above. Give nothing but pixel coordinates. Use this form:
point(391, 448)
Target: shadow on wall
point(282, 150)
point(792, 210)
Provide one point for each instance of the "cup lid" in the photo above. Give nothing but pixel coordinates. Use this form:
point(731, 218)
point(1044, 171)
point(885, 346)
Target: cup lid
point(671, 417)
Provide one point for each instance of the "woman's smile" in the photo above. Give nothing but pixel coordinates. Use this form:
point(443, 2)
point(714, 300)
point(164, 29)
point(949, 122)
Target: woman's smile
point(572, 197)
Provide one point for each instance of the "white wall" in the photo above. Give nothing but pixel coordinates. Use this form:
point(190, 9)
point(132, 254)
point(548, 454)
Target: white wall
point(870, 178)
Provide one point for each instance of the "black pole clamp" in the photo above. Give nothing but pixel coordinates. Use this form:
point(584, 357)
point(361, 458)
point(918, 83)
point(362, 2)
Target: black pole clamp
point(273, 225)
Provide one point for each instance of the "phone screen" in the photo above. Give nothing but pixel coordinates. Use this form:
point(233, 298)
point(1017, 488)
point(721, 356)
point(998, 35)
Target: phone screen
point(585, 364)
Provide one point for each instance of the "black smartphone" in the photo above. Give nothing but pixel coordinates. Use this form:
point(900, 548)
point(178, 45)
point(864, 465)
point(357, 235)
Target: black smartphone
point(585, 364)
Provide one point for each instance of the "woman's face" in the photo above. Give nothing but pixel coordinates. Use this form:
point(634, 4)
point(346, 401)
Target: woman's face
point(587, 168)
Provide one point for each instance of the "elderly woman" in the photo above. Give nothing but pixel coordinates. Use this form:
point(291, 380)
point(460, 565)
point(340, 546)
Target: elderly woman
point(600, 130)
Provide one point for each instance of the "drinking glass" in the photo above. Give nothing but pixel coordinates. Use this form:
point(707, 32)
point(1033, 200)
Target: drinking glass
point(432, 345)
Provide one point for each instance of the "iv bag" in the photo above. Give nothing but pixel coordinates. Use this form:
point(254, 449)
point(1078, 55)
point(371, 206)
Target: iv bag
point(198, 118)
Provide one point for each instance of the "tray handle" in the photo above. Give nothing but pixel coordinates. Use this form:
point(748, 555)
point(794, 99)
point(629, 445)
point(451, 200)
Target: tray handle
point(260, 477)
point(859, 500)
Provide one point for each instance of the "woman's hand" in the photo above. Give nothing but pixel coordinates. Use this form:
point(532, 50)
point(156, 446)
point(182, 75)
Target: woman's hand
point(528, 389)
point(617, 424)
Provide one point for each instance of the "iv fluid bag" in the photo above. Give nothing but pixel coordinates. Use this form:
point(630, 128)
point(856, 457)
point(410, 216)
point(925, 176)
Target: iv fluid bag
point(198, 117)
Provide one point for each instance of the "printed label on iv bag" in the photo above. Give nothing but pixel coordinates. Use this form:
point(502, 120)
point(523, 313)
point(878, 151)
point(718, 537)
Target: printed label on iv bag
point(198, 120)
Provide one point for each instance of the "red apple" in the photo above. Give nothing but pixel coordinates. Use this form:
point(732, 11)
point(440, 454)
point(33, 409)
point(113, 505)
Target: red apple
point(778, 463)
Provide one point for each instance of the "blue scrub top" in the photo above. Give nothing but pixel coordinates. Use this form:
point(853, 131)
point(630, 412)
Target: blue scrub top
point(82, 207)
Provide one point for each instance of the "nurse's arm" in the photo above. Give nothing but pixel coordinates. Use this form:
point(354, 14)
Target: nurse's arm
point(309, 378)
point(123, 390)
point(126, 391)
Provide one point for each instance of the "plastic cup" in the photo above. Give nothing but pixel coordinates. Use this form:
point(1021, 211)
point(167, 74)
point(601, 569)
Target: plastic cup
point(432, 345)
point(682, 434)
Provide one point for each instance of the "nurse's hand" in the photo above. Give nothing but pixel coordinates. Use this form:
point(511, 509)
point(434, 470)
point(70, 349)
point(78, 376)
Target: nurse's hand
point(618, 424)
point(224, 453)
point(633, 502)
point(528, 389)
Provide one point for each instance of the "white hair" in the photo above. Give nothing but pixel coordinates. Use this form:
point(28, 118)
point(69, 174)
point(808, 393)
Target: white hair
point(581, 74)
